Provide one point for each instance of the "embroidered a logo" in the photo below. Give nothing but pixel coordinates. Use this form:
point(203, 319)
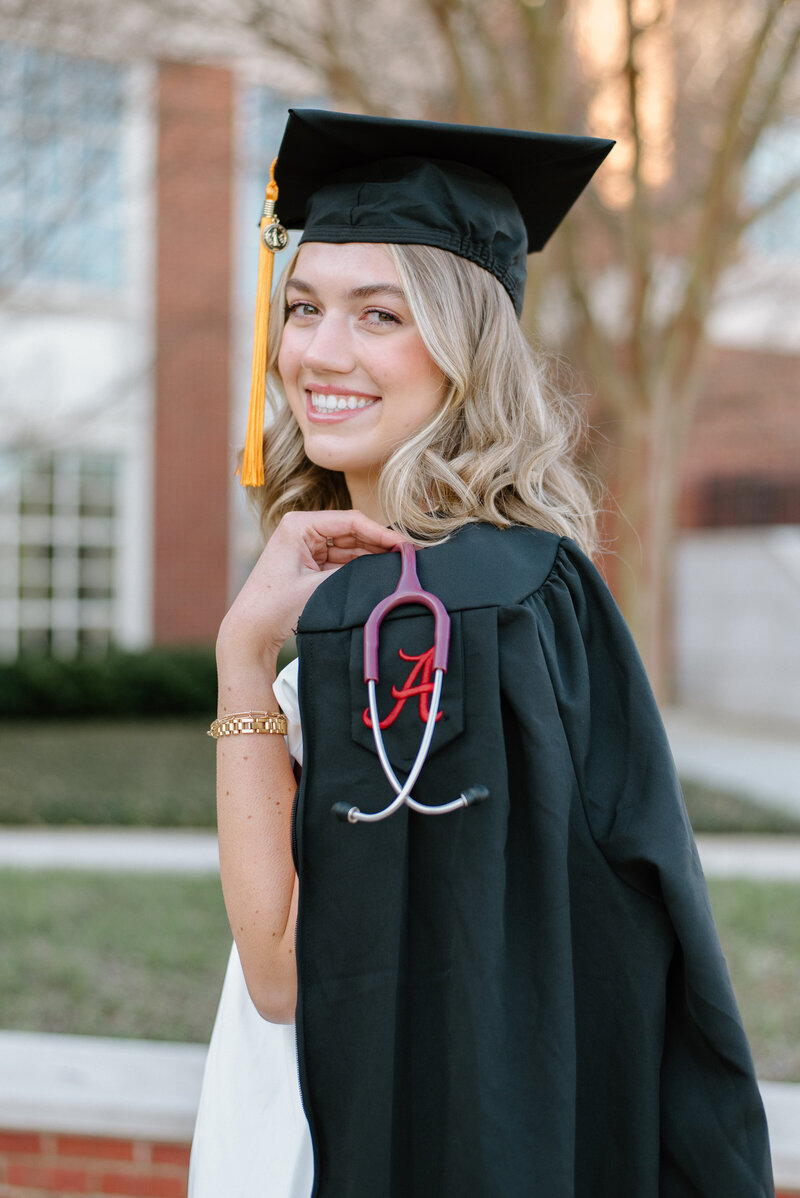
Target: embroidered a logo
point(410, 689)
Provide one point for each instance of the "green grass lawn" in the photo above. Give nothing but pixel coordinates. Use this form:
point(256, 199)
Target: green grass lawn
point(145, 956)
point(714, 810)
point(161, 773)
point(759, 926)
point(145, 772)
point(111, 955)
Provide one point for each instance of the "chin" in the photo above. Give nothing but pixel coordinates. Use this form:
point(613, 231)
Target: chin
point(340, 463)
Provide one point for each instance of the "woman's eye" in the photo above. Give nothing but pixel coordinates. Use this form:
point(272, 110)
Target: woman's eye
point(379, 316)
point(300, 308)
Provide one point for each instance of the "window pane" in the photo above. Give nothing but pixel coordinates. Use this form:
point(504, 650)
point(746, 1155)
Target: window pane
point(37, 490)
point(60, 167)
point(35, 640)
point(96, 494)
point(93, 640)
point(8, 571)
point(58, 529)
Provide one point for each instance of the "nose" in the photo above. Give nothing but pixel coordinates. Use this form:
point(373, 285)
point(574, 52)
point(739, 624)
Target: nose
point(329, 347)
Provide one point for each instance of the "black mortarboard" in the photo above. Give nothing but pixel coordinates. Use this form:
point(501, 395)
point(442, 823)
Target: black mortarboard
point(490, 195)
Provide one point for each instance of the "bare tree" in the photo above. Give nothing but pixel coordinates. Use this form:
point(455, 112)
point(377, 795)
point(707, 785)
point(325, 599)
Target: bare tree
point(669, 245)
point(689, 88)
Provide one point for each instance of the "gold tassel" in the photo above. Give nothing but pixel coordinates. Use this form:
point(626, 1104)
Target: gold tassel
point(272, 236)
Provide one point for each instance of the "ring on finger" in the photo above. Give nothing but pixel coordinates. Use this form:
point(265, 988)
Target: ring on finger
point(329, 542)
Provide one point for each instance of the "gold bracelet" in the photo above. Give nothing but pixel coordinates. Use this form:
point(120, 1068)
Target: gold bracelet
point(249, 721)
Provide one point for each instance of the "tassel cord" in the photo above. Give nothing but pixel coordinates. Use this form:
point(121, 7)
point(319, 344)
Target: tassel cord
point(252, 474)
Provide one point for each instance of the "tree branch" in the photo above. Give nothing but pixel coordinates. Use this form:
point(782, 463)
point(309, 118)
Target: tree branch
point(769, 108)
point(466, 101)
point(712, 244)
point(304, 48)
point(639, 267)
point(724, 159)
point(544, 27)
point(598, 348)
point(502, 82)
point(779, 196)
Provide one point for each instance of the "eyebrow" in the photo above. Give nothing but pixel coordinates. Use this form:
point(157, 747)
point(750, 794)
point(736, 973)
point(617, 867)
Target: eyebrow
point(363, 292)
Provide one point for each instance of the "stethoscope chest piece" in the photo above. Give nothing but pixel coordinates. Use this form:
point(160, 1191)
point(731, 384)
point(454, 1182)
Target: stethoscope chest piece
point(407, 591)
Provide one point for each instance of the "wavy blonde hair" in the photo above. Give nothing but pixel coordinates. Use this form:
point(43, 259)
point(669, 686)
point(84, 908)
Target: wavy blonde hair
point(500, 448)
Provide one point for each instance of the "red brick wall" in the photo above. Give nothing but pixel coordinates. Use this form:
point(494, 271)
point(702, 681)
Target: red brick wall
point(33, 1165)
point(747, 427)
point(193, 339)
point(39, 1165)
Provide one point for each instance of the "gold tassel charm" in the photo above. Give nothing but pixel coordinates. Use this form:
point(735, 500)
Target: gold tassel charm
point(272, 237)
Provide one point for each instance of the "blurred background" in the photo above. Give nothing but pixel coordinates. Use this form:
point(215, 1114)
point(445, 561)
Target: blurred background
point(135, 142)
point(136, 137)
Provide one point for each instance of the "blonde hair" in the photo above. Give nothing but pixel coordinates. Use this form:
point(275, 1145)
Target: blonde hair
point(499, 449)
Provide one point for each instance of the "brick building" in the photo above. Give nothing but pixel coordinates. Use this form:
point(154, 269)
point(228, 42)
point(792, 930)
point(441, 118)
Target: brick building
point(126, 276)
point(737, 587)
point(122, 295)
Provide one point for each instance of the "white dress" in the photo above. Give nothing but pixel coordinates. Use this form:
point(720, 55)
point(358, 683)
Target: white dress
point(251, 1138)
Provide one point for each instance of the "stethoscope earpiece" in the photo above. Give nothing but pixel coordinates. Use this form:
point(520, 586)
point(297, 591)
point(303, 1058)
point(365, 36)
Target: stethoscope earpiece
point(342, 811)
point(474, 795)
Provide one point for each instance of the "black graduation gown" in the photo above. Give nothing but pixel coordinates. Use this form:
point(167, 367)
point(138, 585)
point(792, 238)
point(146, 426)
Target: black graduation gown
point(527, 997)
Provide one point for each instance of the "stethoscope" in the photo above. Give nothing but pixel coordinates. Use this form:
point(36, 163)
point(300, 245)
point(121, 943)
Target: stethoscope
point(408, 590)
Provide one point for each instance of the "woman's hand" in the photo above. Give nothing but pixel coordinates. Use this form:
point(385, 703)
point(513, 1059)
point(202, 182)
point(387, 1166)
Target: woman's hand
point(303, 550)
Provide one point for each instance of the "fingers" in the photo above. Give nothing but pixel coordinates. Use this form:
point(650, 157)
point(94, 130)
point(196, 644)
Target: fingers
point(304, 549)
point(339, 536)
point(340, 557)
point(350, 530)
point(316, 541)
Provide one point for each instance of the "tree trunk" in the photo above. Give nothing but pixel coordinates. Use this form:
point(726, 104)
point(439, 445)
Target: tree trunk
point(644, 541)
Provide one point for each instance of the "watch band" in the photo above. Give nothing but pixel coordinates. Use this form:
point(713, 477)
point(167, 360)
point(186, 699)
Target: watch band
point(273, 722)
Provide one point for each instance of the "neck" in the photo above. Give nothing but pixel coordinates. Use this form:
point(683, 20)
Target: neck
point(364, 497)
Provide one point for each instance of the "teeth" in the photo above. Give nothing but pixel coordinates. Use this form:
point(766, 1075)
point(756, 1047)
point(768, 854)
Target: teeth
point(339, 403)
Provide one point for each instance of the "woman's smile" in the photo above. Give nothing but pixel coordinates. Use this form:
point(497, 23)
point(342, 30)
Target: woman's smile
point(331, 403)
point(357, 374)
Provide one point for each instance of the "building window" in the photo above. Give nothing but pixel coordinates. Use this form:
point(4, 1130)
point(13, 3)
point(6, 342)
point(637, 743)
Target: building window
point(741, 501)
point(61, 188)
point(58, 552)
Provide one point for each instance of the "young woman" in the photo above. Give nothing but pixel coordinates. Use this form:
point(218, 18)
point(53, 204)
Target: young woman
point(524, 997)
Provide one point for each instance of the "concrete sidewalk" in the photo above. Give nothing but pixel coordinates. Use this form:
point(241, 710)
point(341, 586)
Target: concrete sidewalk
point(758, 762)
point(112, 850)
point(770, 858)
point(137, 850)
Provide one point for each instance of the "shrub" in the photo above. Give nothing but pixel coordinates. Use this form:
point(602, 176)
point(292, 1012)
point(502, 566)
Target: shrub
point(154, 682)
point(174, 681)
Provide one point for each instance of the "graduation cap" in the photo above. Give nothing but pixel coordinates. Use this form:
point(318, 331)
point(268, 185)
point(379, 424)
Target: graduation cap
point(492, 196)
